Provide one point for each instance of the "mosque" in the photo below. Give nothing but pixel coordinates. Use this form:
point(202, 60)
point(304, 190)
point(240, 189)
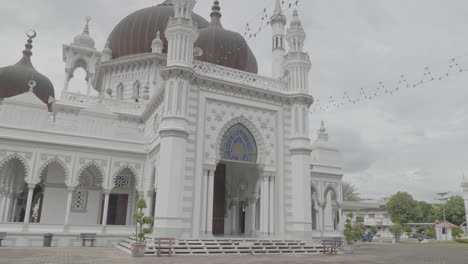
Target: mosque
point(175, 113)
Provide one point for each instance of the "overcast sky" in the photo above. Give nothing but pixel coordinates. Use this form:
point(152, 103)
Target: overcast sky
point(415, 140)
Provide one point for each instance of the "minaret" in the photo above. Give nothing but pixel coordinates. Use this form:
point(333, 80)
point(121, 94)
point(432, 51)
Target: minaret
point(296, 66)
point(465, 196)
point(181, 33)
point(297, 63)
point(278, 21)
point(81, 54)
point(157, 45)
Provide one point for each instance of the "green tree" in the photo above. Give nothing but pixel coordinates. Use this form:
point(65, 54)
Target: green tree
point(350, 192)
point(408, 230)
point(373, 230)
point(455, 210)
point(397, 231)
point(141, 220)
point(457, 232)
point(423, 212)
point(403, 209)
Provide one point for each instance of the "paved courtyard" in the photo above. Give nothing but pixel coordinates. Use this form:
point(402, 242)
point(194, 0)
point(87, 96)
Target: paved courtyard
point(379, 254)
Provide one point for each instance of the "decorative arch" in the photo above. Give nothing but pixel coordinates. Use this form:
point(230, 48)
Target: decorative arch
point(330, 188)
point(251, 128)
point(120, 91)
point(137, 90)
point(239, 144)
point(21, 159)
point(314, 192)
point(47, 163)
point(80, 62)
point(120, 169)
point(76, 180)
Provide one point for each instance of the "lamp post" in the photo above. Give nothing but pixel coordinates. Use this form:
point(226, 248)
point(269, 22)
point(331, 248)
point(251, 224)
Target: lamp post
point(442, 197)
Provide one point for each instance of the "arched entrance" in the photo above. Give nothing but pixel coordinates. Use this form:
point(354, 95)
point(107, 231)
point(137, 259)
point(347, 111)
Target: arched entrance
point(13, 191)
point(330, 211)
point(122, 199)
point(49, 201)
point(236, 185)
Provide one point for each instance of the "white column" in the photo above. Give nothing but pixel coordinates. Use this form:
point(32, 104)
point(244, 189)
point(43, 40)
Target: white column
point(6, 214)
point(13, 209)
point(204, 202)
point(69, 202)
point(253, 213)
point(264, 196)
point(27, 213)
point(340, 220)
point(209, 216)
point(106, 207)
point(235, 215)
point(271, 199)
point(2, 205)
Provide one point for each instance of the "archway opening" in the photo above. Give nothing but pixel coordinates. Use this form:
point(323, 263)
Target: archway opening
point(14, 190)
point(86, 199)
point(331, 212)
point(315, 209)
point(49, 201)
point(122, 199)
point(236, 190)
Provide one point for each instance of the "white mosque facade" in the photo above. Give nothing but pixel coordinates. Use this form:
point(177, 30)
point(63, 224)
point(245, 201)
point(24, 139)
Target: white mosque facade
point(181, 119)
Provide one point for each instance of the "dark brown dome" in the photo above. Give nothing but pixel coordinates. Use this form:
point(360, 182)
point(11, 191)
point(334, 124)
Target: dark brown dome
point(135, 33)
point(224, 47)
point(14, 79)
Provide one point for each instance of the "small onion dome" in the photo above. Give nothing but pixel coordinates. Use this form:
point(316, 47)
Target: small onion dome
point(224, 47)
point(157, 45)
point(14, 79)
point(135, 33)
point(84, 39)
point(296, 22)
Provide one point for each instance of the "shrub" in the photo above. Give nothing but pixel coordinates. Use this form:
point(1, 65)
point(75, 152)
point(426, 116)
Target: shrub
point(141, 220)
point(462, 240)
point(397, 231)
point(457, 232)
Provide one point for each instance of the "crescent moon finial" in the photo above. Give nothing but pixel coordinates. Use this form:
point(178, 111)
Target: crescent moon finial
point(31, 34)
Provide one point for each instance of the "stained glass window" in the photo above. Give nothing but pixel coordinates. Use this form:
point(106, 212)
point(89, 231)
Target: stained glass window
point(239, 144)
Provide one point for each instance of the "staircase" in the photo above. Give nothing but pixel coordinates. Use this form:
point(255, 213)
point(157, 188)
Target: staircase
point(234, 246)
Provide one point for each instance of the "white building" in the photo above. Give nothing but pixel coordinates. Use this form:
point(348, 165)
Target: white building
point(374, 213)
point(213, 147)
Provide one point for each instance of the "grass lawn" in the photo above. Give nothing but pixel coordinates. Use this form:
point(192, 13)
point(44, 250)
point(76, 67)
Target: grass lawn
point(440, 244)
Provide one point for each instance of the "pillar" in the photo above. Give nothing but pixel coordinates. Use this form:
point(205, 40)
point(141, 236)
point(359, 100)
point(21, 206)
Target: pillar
point(27, 213)
point(2, 205)
point(106, 206)
point(209, 216)
point(6, 214)
point(204, 206)
point(253, 210)
point(69, 202)
point(264, 203)
point(13, 209)
point(340, 220)
point(235, 215)
point(271, 200)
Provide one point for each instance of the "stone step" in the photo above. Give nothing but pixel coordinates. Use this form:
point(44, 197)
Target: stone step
point(233, 246)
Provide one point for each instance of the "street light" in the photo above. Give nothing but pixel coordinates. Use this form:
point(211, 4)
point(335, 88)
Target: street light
point(444, 199)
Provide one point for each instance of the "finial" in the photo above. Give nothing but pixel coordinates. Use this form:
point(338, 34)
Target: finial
point(86, 29)
point(215, 13)
point(295, 20)
point(158, 35)
point(31, 85)
point(28, 46)
point(322, 133)
point(278, 7)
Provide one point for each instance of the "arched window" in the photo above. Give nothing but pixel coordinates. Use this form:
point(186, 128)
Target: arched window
point(239, 144)
point(136, 90)
point(120, 92)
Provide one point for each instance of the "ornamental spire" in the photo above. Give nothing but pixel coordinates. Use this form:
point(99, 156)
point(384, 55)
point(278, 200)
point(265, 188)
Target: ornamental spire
point(322, 133)
point(215, 13)
point(86, 28)
point(278, 8)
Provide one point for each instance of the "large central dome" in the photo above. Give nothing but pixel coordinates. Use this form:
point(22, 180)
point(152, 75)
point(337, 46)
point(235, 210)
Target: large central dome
point(135, 33)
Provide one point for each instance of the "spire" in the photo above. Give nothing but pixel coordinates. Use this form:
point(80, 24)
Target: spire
point(215, 13)
point(295, 22)
point(28, 46)
point(157, 45)
point(278, 8)
point(322, 133)
point(86, 28)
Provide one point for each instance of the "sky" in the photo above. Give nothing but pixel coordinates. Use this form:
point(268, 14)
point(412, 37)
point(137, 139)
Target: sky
point(414, 140)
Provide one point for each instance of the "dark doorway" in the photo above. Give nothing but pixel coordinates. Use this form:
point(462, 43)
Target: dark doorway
point(218, 199)
point(117, 213)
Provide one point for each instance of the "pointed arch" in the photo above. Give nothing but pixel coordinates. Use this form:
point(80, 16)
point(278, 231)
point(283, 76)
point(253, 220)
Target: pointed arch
point(260, 142)
point(330, 188)
point(80, 62)
point(136, 90)
point(21, 159)
point(80, 171)
point(122, 168)
point(41, 170)
point(120, 92)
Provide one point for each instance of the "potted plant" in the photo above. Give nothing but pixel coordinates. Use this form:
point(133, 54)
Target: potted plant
point(139, 247)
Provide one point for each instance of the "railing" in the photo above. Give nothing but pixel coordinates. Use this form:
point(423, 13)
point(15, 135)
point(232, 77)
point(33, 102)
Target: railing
point(113, 105)
point(236, 76)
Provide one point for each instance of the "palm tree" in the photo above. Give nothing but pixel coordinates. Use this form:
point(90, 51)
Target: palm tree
point(350, 192)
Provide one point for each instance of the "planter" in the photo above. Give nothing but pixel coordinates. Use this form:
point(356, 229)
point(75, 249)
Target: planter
point(138, 250)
